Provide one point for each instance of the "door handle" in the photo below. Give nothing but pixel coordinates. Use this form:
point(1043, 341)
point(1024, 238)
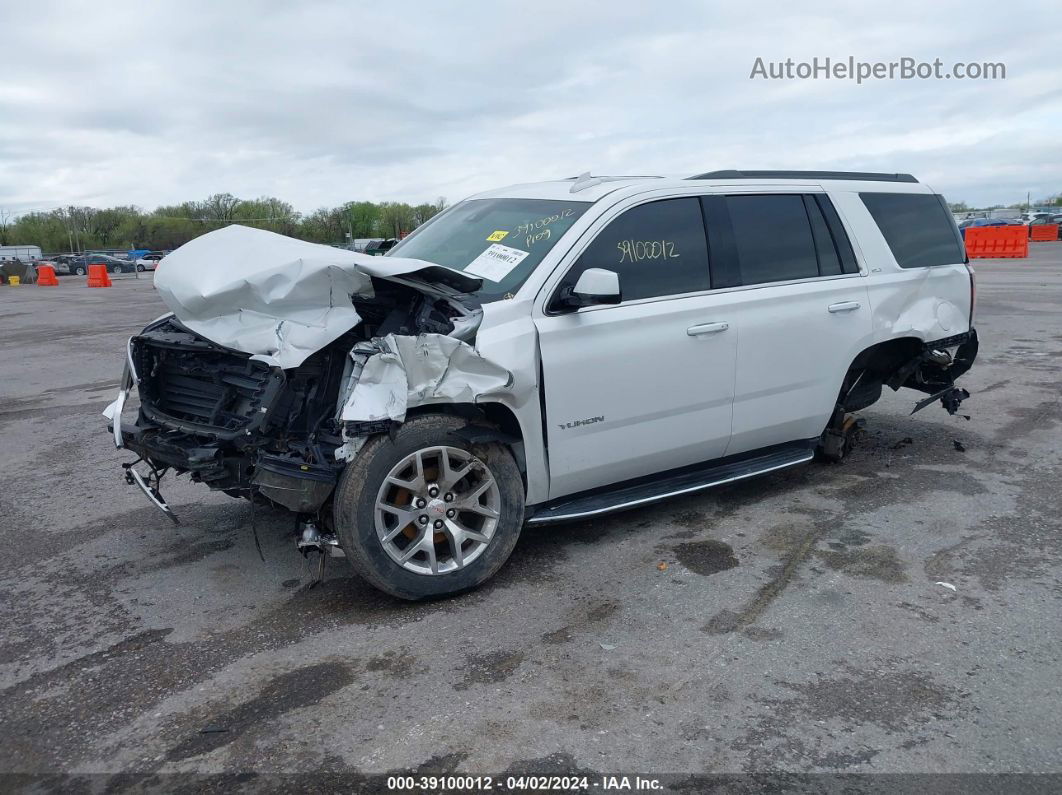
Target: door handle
point(707, 328)
point(844, 306)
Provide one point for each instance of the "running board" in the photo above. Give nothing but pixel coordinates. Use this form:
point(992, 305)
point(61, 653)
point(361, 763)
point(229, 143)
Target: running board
point(634, 493)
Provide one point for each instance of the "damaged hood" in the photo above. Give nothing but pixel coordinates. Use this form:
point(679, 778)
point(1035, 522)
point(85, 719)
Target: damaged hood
point(279, 298)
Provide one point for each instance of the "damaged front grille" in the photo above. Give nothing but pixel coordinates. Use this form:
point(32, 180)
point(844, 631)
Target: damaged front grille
point(219, 393)
point(190, 384)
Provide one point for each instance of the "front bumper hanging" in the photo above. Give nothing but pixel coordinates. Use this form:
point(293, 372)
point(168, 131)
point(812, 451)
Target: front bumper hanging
point(113, 412)
point(134, 478)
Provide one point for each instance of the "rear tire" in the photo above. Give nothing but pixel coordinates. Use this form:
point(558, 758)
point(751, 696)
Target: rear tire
point(374, 538)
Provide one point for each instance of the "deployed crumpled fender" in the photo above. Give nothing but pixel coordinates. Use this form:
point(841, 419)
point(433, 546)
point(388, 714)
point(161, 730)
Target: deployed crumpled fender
point(276, 297)
point(394, 373)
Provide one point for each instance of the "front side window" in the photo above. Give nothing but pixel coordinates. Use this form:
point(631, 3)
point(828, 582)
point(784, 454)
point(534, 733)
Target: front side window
point(918, 228)
point(657, 249)
point(773, 237)
point(499, 240)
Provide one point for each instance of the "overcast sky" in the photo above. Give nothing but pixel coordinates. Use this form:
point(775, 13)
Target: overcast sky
point(320, 103)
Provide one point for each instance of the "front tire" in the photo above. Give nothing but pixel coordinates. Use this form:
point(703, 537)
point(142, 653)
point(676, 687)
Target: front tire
point(423, 513)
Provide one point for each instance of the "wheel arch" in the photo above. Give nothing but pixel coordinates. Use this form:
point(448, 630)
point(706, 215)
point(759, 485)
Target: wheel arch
point(872, 367)
point(496, 421)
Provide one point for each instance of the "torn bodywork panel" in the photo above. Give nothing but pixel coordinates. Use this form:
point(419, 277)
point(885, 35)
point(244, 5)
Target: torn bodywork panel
point(935, 369)
point(928, 367)
point(396, 373)
point(282, 357)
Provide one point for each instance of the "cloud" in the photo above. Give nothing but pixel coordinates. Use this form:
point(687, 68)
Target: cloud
point(324, 102)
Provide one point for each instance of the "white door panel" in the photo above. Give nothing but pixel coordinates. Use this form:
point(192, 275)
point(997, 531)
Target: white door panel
point(795, 344)
point(636, 388)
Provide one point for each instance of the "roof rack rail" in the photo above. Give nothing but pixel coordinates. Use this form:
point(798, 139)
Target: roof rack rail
point(870, 176)
point(586, 180)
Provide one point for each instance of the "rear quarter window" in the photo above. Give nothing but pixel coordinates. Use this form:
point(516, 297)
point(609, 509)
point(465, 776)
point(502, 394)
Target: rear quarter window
point(917, 226)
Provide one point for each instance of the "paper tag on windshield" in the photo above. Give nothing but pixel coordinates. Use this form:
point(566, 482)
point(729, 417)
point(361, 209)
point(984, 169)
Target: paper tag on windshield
point(496, 262)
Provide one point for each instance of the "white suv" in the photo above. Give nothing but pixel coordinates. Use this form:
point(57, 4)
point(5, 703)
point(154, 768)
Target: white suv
point(542, 353)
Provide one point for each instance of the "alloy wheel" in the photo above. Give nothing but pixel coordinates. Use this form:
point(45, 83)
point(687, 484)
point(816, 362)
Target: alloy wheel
point(437, 510)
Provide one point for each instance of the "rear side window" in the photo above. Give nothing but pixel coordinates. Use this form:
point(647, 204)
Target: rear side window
point(829, 262)
point(840, 237)
point(773, 237)
point(657, 249)
point(917, 226)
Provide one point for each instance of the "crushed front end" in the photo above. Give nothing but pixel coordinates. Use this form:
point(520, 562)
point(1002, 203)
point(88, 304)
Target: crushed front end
point(241, 423)
point(234, 423)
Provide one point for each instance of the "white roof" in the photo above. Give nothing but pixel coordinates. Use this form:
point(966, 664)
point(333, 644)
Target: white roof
point(593, 188)
point(561, 189)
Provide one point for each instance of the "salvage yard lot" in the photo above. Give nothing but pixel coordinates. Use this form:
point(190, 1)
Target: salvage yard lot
point(793, 622)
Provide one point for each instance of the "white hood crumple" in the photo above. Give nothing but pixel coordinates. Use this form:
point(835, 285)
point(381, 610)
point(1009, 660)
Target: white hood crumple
point(276, 297)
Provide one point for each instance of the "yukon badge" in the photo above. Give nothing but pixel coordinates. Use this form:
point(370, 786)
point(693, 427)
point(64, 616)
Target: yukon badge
point(576, 423)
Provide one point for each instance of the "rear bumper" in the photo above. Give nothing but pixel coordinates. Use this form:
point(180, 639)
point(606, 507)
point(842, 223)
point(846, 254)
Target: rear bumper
point(934, 371)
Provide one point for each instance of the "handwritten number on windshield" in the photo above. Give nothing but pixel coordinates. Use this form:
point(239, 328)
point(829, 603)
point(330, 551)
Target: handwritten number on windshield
point(535, 231)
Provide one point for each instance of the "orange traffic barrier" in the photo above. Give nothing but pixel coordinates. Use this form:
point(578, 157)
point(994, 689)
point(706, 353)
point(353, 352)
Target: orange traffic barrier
point(97, 276)
point(987, 242)
point(1042, 233)
point(46, 276)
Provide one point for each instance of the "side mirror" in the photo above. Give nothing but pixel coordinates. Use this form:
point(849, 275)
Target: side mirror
point(594, 286)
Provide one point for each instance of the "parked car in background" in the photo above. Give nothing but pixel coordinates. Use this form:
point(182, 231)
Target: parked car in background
point(59, 265)
point(377, 248)
point(149, 262)
point(79, 265)
point(974, 222)
point(63, 263)
point(987, 222)
point(1045, 220)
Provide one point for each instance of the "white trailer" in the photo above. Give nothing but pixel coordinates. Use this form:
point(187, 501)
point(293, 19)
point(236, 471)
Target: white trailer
point(21, 253)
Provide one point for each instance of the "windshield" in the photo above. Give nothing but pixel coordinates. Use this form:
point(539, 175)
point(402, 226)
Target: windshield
point(499, 240)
